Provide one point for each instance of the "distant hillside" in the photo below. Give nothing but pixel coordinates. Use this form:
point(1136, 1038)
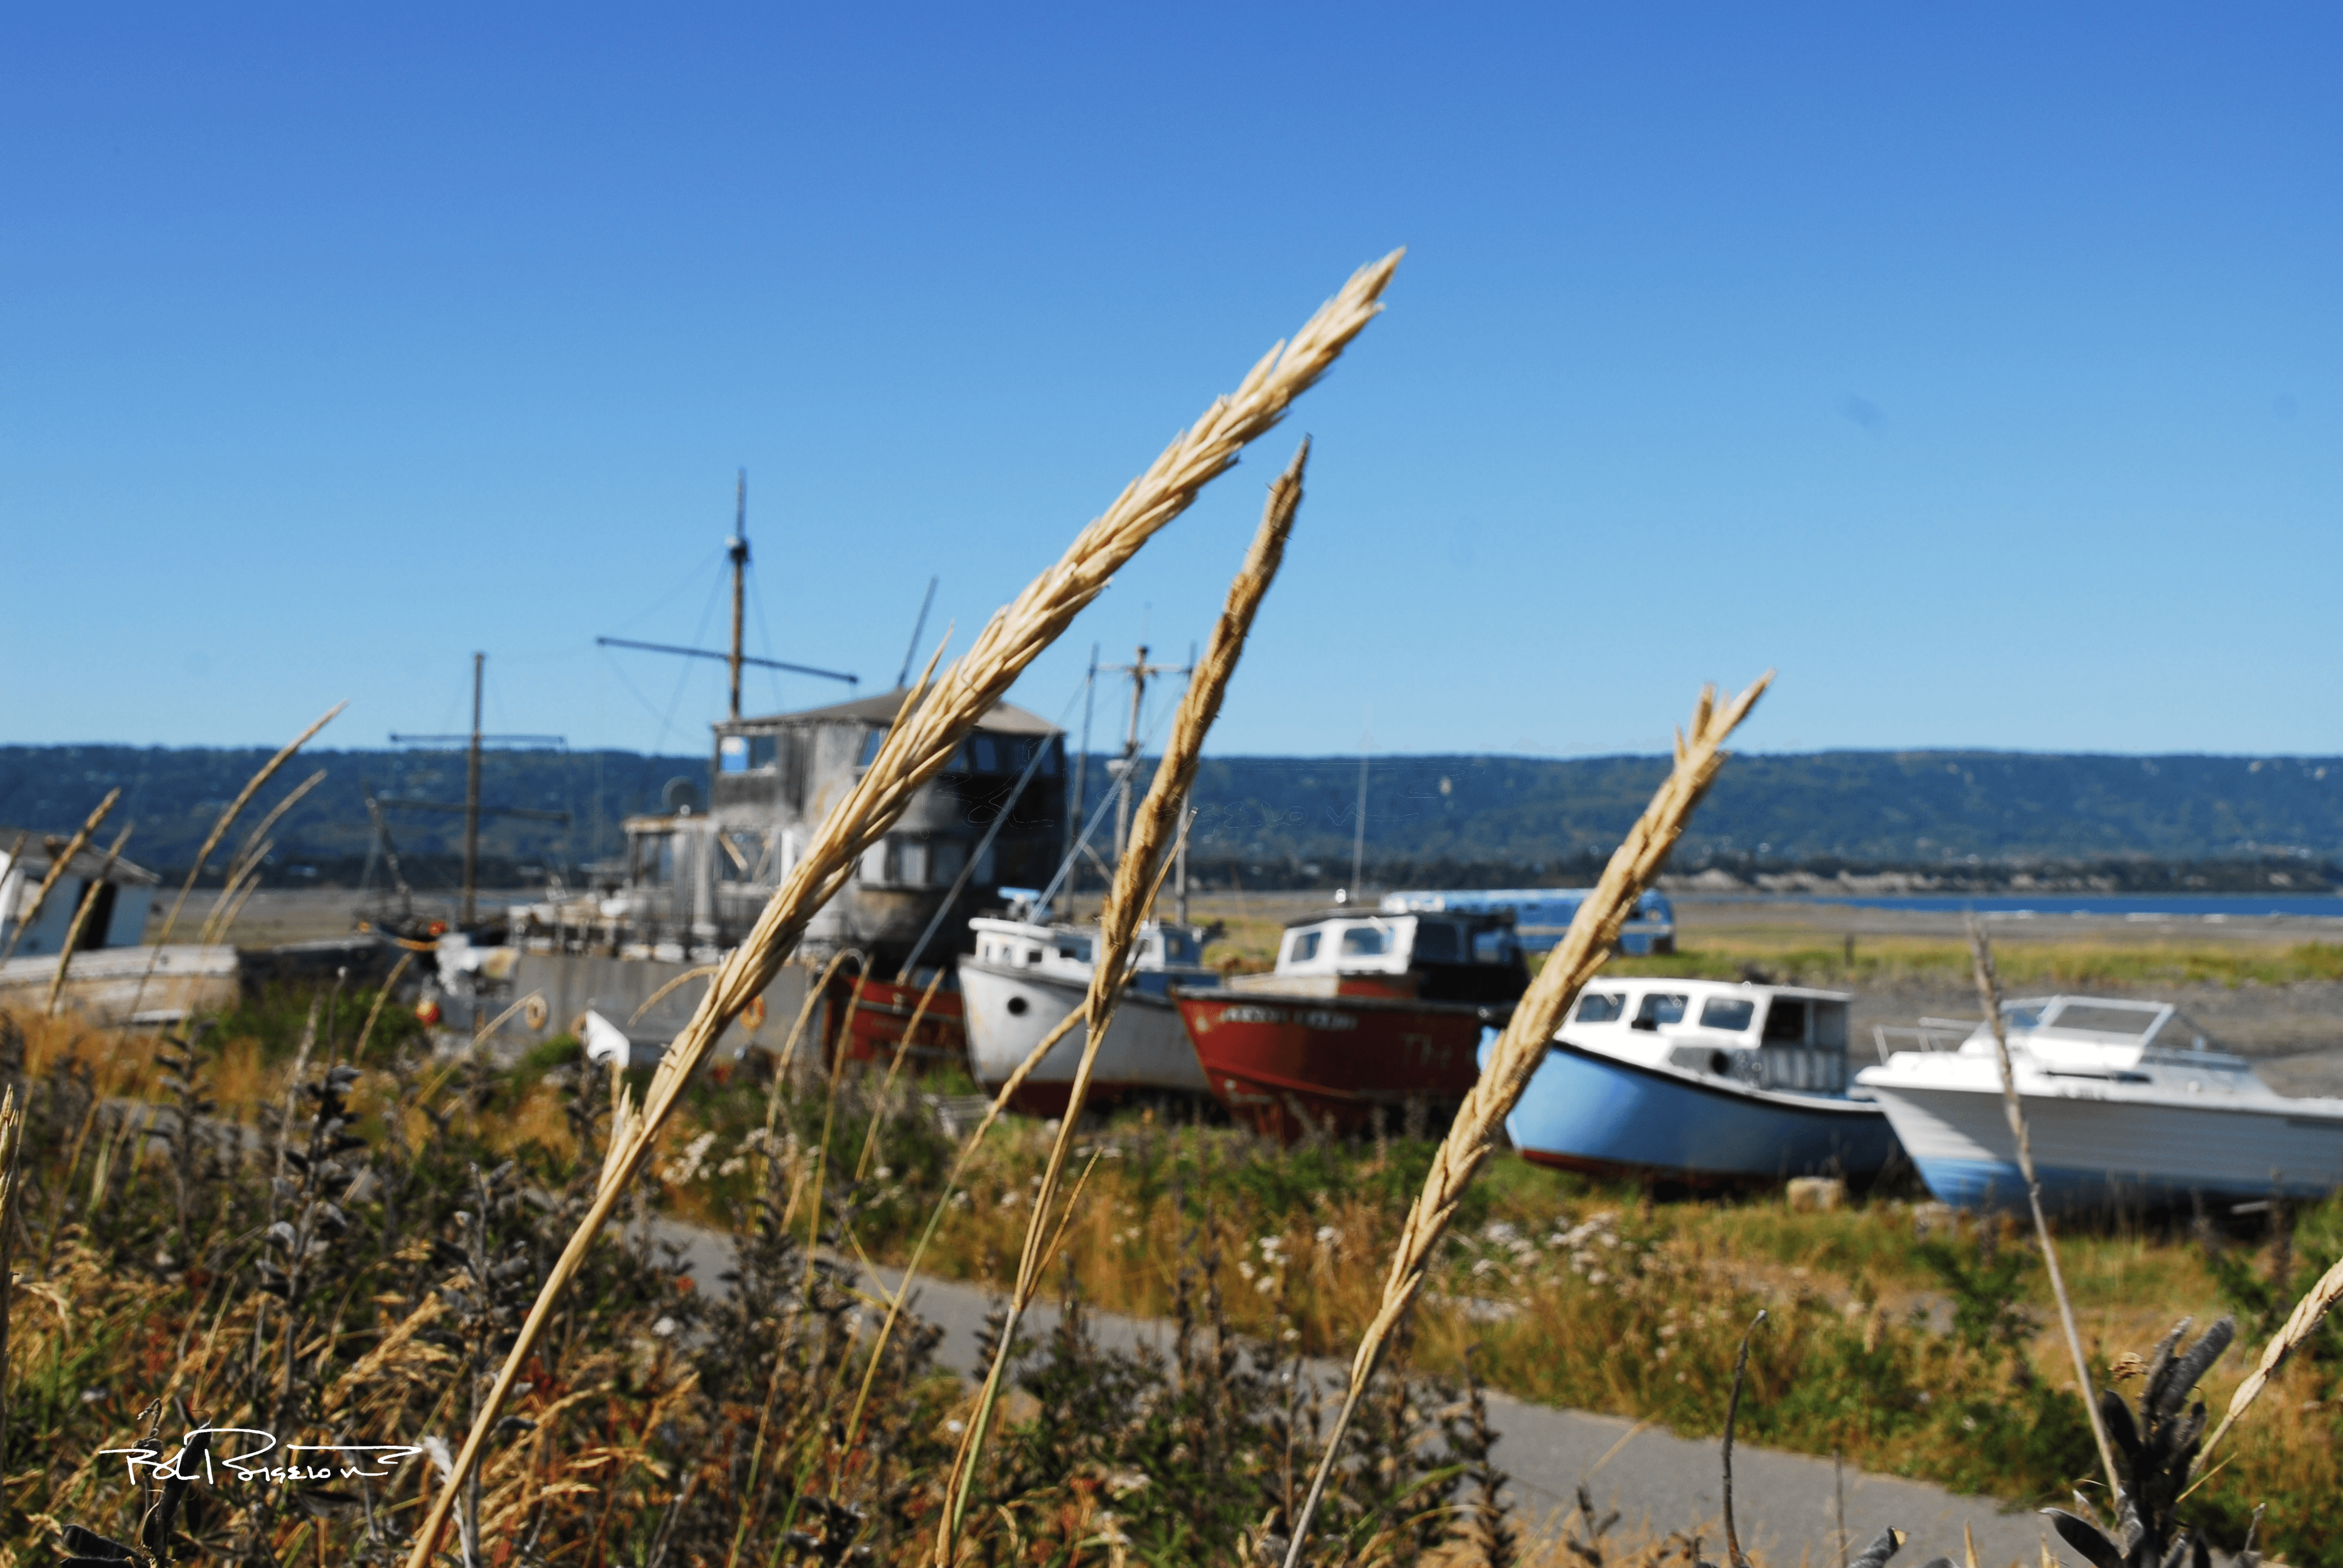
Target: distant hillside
point(1457, 817)
point(1869, 808)
point(175, 794)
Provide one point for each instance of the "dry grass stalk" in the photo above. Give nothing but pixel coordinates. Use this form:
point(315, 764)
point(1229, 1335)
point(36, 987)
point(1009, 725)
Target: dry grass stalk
point(219, 831)
point(1008, 1091)
point(230, 904)
point(2300, 1324)
point(1480, 1120)
point(12, 1143)
point(697, 971)
point(1988, 984)
point(57, 864)
point(1157, 821)
point(81, 919)
point(917, 749)
point(894, 1066)
point(249, 857)
point(390, 984)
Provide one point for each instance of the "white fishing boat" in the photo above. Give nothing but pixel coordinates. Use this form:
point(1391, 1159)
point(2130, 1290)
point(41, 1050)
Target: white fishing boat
point(2126, 1106)
point(1027, 975)
point(1701, 1081)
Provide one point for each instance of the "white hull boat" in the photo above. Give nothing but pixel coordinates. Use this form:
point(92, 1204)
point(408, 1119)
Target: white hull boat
point(1025, 977)
point(2125, 1108)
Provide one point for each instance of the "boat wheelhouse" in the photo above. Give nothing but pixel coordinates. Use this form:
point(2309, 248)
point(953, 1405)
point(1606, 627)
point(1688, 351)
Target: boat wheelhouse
point(698, 879)
point(1701, 1081)
point(2127, 1105)
point(1364, 1011)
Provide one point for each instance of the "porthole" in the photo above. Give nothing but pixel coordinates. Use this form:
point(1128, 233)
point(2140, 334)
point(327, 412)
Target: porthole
point(1018, 1006)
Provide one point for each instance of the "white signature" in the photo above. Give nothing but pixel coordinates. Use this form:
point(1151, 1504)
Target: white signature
point(338, 1460)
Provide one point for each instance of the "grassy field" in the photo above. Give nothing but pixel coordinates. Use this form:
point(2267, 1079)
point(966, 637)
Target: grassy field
point(1900, 1336)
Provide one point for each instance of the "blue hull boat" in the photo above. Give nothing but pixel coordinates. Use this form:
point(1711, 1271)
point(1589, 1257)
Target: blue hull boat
point(1587, 1111)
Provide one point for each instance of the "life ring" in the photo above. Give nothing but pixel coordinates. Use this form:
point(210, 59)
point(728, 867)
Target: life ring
point(534, 1012)
point(753, 1015)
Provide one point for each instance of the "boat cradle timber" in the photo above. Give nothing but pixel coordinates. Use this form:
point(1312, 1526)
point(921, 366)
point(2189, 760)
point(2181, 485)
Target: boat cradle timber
point(1703, 1083)
point(1363, 1012)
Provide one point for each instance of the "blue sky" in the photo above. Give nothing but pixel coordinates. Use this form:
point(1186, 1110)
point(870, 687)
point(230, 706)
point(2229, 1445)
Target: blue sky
point(1976, 367)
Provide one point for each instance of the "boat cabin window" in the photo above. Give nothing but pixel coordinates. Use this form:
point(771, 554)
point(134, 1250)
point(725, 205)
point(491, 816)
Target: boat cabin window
point(1830, 1024)
point(1075, 948)
point(745, 753)
point(1787, 1018)
point(871, 740)
point(2017, 1015)
point(1659, 1007)
point(1493, 947)
point(1435, 943)
point(2102, 1018)
point(1365, 941)
point(986, 754)
point(1177, 948)
point(1302, 948)
point(1600, 1007)
point(1728, 1012)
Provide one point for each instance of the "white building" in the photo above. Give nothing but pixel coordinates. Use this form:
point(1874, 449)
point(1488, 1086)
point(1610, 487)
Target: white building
point(117, 919)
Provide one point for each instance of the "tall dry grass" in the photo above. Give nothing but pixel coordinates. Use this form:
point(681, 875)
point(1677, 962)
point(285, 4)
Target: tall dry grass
point(1480, 1121)
point(81, 921)
point(918, 748)
point(1159, 820)
point(219, 830)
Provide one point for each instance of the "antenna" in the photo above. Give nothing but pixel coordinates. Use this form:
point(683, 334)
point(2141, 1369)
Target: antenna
point(918, 627)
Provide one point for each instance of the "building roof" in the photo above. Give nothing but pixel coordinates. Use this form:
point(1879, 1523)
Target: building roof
point(1005, 718)
point(37, 853)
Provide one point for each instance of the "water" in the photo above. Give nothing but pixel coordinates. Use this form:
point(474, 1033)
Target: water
point(2122, 906)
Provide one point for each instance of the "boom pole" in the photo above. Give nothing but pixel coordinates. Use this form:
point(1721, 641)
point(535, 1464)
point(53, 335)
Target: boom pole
point(472, 798)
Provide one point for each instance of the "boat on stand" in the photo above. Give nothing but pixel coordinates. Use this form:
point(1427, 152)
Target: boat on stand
point(1364, 1012)
point(1027, 975)
point(1703, 1083)
point(2127, 1106)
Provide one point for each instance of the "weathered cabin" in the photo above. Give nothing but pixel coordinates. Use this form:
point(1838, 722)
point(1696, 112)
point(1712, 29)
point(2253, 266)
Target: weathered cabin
point(117, 919)
point(704, 875)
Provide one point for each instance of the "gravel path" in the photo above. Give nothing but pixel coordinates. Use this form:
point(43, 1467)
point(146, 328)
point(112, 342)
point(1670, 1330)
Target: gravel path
point(1785, 1503)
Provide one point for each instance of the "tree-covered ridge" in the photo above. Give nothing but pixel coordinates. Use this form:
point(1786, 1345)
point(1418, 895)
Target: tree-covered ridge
point(1537, 816)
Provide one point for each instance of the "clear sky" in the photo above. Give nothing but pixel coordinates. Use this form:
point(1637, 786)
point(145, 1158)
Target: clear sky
point(1981, 368)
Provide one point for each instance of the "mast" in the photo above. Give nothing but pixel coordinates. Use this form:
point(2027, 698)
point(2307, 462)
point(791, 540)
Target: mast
point(1139, 673)
point(1082, 781)
point(1138, 670)
point(472, 799)
point(1358, 843)
point(737, 547)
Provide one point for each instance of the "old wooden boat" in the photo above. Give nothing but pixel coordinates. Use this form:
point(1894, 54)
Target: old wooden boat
point(1364, 1012)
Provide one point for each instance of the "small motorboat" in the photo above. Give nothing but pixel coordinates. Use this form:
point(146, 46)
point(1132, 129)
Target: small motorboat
point(2126, 1106)
point(1027, 975)
point(1363, 1011)
point(1701, 1081)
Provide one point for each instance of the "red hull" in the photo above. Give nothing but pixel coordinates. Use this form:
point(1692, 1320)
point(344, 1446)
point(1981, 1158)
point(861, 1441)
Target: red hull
point(876, 1023)
point(1288, 1063)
